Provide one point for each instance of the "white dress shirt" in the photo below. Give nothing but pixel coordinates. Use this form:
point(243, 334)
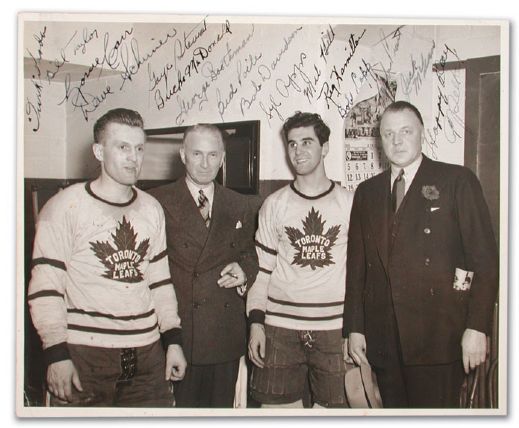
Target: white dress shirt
point(409, 172)
point(194, 189)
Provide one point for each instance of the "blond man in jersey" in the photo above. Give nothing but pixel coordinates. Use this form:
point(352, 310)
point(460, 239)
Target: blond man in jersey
point(100, 294)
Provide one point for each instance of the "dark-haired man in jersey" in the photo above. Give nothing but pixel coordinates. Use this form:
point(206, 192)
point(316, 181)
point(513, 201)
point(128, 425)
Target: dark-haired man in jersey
point(296, 304)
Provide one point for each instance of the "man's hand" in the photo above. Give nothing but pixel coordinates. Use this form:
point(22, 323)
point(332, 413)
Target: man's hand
point(346, 352)
point(474, 349)
point(61, 375)
point(357, 348)
point(231, 276)
point(257, 344)
point(175, 363)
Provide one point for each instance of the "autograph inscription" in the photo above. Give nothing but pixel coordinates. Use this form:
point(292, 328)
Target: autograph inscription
point(448, 121)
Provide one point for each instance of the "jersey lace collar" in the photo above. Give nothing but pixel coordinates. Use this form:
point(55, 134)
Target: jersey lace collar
point(293, 187)
point(89, 190)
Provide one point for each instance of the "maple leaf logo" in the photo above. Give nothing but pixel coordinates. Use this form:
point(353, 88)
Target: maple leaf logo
point(122, 261)
point(312, 245)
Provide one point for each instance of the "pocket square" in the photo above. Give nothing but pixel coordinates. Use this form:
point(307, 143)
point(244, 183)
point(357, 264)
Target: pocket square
point(434, 209)
point(238, 225)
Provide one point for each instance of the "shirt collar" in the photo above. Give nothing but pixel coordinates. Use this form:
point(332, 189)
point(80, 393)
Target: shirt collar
point(409, 171)
point(194, 189)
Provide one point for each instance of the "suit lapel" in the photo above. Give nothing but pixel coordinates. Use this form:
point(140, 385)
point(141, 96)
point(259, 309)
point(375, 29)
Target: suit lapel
point(189, 213)
point(380, 214)
point(219, 229)
point(414, 203)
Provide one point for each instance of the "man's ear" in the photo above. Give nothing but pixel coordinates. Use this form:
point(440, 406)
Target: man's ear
point(223, 160)
point(326, 149)
point(98, 151)
point(182, 155)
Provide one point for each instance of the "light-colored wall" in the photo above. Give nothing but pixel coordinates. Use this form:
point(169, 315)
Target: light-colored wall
point(45, 142)
point(284, 59)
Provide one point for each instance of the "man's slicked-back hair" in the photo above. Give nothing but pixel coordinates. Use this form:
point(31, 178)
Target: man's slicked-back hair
point(300, 120)
point(122, 116)
point(401, 106)
point(204, 127)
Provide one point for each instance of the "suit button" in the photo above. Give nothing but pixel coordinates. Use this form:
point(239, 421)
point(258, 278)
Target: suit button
point(185, 245)
point(227, 304)
point(196, 305)
point(233, 244)
point(427, 261)
point(427, 231)
point(196, 274)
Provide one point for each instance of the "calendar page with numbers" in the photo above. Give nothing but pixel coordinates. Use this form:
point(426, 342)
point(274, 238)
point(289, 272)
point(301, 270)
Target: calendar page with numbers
point(363, 155)
point(363, 159)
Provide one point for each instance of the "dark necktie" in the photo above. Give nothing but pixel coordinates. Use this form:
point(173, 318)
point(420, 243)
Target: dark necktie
point(398, 191)
point(203, 206)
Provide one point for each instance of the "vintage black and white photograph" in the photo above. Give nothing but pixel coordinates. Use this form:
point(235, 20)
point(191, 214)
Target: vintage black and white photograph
point(261, 216)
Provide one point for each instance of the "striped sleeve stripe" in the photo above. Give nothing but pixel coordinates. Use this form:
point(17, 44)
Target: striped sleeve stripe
point(159, 256)
point(45, 293)
point(265, 248)
point(160, 283)
point(298, 317)
point(110, 316)
point(52, 262)
point(306, 305)
point(90, 329)
point(268, 272)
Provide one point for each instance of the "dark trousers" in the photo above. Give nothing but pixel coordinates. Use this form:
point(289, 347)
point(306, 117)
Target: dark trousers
point(113, 377)
point(431, 386)
point(210, 385)
point(416, 386)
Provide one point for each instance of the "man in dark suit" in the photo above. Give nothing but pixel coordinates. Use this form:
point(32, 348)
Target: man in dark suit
point(422, 271)
point(210, 238)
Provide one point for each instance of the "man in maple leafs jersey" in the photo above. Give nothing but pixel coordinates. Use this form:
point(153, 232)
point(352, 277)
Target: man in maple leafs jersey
point(100, 293)
point(297, 301)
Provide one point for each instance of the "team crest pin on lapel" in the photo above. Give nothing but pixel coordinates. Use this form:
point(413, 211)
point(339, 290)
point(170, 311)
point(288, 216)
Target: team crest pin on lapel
point(238, 225)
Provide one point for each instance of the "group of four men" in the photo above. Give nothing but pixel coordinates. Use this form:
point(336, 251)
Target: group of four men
point(402, 275)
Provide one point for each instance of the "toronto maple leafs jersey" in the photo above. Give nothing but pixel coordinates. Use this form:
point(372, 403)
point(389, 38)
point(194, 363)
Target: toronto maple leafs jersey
point(301, 244)
point(100, 273)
